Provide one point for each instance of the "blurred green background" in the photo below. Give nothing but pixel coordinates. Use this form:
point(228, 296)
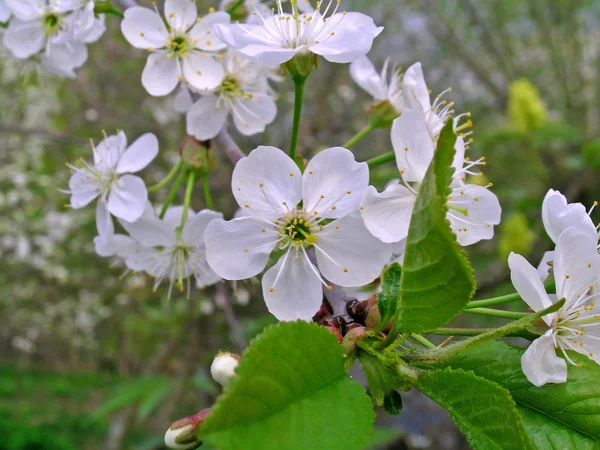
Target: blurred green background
point(92, 361)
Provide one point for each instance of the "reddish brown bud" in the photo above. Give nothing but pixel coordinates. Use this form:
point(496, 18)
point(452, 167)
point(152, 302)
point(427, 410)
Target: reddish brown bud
point(322, 314)
point(351, 336)
point(183, 434)
point(337, 333)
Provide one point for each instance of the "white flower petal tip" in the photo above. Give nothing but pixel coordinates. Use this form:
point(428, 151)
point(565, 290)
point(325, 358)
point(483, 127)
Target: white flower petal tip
point(540, 363)
point(223, 367)
point(558, 215)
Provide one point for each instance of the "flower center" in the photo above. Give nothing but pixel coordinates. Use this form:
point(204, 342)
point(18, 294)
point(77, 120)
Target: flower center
point(230, 87)
point(51, 23)
point(299, 229)
point(178, 46)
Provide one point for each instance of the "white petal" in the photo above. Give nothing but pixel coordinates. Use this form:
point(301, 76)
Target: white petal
point(387, 215)
point(109, 150)
point(24, 39)
point(151, 232)
point(557, 216)
point(181, 14)
point(183, 100)
point(576, 264)
point(459, 154)
point(227, 242)
point(297, 294)
point(347, 244)
point(205, 118)
point(364, 74)
point(161, 74)
point(398, 250)
point(352, 39)
point(194, 228)
point(202, 72)
point(172, 218)
point(103, 246)
point(127, 198)
point(412, 145)
point(83, 190)
point(528, 284)
point(268, 181)
point(540, 363)
point(96, 31)
point(251, 115)
point(204, 34)
point(5, 13)
point(543, 268)
point(414, 82)
point(62, 60)
point(473, 212)
point(144, 28)
point(26, 9)
point(104, 223)
point(139, 154)
point(333, 183)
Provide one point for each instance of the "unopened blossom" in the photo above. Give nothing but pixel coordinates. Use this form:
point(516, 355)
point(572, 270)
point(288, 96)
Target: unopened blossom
point(575, 326)
point(109, 178)
point(339, 37)
point(382, 86)
point(173, 253)
point(557, 216)
point(244, 94)
point(183, 434)
point(269, 185)
point(473, 210)
point(182, 46)
point(57, 30)
point(223, 367)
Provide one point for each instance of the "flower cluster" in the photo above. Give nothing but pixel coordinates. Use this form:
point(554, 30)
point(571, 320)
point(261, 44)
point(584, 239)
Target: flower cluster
point(575, 264)
point(54, 32)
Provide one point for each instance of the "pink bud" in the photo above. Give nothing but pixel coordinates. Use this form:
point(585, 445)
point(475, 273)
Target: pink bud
point(336, 332)
point(351, 336)
point(183, 434)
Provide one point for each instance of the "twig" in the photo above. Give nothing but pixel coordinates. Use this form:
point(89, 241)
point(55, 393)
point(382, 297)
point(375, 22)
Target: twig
point(228, 145)
point(16, 129)
point(223, 300)
point(128, 3)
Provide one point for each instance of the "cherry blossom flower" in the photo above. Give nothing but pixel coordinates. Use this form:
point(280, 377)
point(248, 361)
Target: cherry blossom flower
point(575, 326)
point(109, 177)
point(269, 185)
point(557, 216)
point(473, 209)
point(381, 87)
point(58, 30)
point(340, 37)
point(108, 244)
point(181, 47)
point(244, 93)
point(172, 252)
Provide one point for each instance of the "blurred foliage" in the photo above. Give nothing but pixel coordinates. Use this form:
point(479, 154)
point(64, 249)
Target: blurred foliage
point(81, 336)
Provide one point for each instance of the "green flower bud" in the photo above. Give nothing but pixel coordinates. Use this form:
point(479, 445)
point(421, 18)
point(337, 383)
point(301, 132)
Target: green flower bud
point(301, 65)
point(238, 14)
point(526, 110)
point(515, 236)
point(197, 154)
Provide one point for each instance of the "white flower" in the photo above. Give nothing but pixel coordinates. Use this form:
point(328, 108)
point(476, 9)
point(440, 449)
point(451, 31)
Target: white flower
point(171, 252)
point(473, 209)
point(573, 327)
point(340, 38)
point(223, 367)
point(107, 243)
point(109, 177)
point(5, 12)
point(58, 28)
point(244, 93)
point(557, 216)
point(179, 46)
point(377, 84)
point(269, 185)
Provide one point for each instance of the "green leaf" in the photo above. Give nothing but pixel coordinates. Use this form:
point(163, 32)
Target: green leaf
point(381, 379)
point(106, 7)
point(562, 413)
point(291, 391)
point(392, 403)
point(484, 411)
point(390, 289)
point(437, 278)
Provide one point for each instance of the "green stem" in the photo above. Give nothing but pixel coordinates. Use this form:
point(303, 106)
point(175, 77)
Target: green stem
point(188, 197)
point(423, 341)
point(477, 331)
point(494, 301)
point(232, 8)
point(206, 188)
point(496, 313)
point(359, 136)
point(298, 97)
point(381, 159)
point(167, 179)
point(172, 194)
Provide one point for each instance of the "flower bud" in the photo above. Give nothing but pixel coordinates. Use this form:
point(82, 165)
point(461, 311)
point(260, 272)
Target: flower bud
point(183, 434)
point(336, 332)
point(322, 314)
point(223, 367)
point(197, 154)
point(359, 310)
point(351, 336)
point(302, 64)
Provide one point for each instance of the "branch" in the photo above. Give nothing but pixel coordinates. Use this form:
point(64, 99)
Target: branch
point(228, 145)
